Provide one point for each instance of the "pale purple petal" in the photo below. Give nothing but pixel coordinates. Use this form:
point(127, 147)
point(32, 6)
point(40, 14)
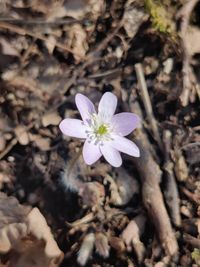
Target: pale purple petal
point(91, 152)
point(125, 145)
point(111, 155)
point(107, 106)
point(124, 123)
point(73, 128)
point(85, 106)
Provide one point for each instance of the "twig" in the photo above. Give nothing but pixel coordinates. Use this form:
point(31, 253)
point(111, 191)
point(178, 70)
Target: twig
point(105, 41)
point(171, 190)
point(150, 175)
point(192, 196)
point(39, 21)
point(22, 31)
point(84, 220)
point(131, 236)
point(193, 241)
point(12, 143)
point(184, 15)
point(147, 103)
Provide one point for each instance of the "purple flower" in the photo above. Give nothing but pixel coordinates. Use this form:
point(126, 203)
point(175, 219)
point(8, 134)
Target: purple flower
point(104, 132)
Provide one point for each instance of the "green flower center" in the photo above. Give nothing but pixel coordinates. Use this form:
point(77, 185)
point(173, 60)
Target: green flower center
point(103, 129)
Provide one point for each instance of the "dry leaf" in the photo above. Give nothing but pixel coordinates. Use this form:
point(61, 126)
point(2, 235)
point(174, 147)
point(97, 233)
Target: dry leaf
point(78, 40)
point(92, 193)
point(86, 249)
point(117, 243)
point(128, 186)
point(133, 18)
point(21, 135)
point(7, 48)
point(193, 40)
point(77, 9)
point(26, 236)
point(52, 118)
point(101, 245)
point(131, 236)
point(6, 173)
point(122, 188)
point(2, 143)
point(50, 43)
point(180, 166)
point(43, 143)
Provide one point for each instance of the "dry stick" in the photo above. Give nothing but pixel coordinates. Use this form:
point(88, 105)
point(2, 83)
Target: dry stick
point(171, 190)
point(24, 32)
point(131, 236)
point(147, 103)
point(184, 14)
point(40, 21)
point(193, 241)
point(150, 175)
point(13, 142)
point(105, 41)
point(192, 196)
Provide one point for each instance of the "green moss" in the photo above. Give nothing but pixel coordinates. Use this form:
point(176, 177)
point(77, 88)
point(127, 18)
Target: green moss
point(196, 256)
point(160, 17)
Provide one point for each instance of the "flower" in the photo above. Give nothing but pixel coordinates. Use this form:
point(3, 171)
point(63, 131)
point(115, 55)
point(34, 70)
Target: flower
point(104, 132)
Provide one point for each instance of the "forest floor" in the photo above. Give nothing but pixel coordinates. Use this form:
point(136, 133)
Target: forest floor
point(54, 209)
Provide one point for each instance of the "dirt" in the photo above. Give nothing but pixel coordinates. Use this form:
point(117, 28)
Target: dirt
point(145, 213)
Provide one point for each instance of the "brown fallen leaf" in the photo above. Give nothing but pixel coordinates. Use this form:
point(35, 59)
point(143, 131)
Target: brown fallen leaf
point(180, 166)
point(193, 40)
point(101, 245)
point(92, 193)
point(128, 186)
point(2, 143)
point(131, 236)
point(133, 18)
point(43, 143)
point(78, 40)
point(52, 118)
point(86, 249)
point(76, 9)
point(21, 135)
point(7, 48)
point(117, 244)
point(25, 234)
point(6, 173)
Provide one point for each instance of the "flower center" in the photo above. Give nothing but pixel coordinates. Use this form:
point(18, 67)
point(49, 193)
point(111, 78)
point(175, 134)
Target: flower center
point(102, 130)
point(98, 131)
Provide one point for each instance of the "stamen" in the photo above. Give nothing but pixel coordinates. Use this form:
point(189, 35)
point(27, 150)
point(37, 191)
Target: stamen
point(98, 130)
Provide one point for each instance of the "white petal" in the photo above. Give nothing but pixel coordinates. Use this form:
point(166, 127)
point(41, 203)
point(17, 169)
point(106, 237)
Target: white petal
point(107, 106)
point(85, 106)
point(124, 123)
point(91, 152)
point(73, 128)
point(125, 145)
point(111, 155)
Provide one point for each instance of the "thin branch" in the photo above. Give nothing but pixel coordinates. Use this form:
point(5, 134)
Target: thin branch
point(150, 176)
point(25, 32)
point(171, 190)
point(39, 21)
point(184, 14)
point(147, 103)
